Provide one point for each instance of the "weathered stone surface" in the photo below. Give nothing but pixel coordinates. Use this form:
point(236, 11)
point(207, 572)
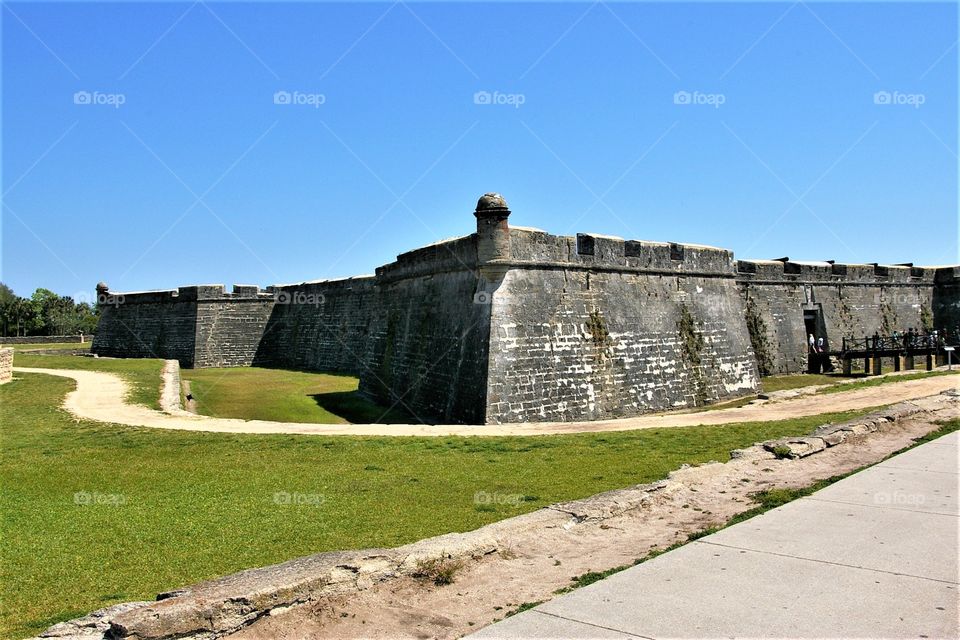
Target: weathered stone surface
point(491, 202)
point(830, 435)
point(217, 607)
point(799, 447)
point(92, 626)
point(6, 364)
point(756, 452)
point(853, 300)
point(857, 429)
point(610, 503)
point(833, 439)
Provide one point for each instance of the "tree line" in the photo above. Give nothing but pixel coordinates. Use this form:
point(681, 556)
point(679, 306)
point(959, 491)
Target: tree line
point(44, 314)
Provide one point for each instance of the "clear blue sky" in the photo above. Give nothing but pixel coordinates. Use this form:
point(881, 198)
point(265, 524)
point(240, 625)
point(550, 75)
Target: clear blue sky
point(199, 177)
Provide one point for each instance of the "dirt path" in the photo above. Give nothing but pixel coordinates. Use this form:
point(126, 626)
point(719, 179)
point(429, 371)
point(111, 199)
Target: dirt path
point(100, 396)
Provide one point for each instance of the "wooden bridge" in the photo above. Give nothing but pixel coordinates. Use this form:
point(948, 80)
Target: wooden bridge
point(902, 349)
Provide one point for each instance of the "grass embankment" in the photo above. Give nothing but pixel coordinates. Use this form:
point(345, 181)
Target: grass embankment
point(94, 514)
point(285, 396)
point(143, 375)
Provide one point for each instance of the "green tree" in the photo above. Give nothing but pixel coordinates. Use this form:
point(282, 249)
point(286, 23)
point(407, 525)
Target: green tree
point(8, 300)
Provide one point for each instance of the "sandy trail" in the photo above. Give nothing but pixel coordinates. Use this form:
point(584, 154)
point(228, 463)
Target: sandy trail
point(100, 396)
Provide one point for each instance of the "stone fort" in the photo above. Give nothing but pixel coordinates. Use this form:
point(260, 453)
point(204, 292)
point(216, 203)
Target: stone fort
point(513, 324)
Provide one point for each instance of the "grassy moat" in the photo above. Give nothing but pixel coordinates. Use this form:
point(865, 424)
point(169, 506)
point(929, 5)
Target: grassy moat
point(254, 393)
point(95, 514)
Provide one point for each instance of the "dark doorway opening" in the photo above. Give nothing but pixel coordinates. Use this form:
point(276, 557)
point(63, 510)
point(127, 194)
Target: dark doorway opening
point(818, 359)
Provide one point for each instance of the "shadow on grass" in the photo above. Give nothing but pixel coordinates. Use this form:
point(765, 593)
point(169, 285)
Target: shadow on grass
point(356, 409)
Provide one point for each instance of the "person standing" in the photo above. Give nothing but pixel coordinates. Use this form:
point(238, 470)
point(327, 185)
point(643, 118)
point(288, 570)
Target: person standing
point(813, 358)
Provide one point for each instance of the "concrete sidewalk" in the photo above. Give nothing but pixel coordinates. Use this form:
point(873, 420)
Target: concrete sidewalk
point(872, 556)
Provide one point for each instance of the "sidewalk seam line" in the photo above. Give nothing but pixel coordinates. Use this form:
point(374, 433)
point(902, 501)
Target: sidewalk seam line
point(882, 466)
point(883, 506)
point(836, 564)
point(591, 624)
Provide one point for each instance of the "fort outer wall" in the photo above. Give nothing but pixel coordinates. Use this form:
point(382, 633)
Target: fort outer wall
point(946, 299)
point(411, 333)
point(595, 327)
point(515, 324)
point(786, 301)
point(149, 324)
point(200, 326)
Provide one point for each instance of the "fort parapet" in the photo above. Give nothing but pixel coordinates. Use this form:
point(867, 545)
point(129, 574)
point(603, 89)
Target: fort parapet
point(514, 324)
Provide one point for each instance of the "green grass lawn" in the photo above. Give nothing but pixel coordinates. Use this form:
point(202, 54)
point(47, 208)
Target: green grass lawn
point(161, 509)
point(286, 396)
point(142, 374)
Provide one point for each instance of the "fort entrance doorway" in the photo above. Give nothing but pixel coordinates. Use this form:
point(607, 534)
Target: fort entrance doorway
point(817, 358)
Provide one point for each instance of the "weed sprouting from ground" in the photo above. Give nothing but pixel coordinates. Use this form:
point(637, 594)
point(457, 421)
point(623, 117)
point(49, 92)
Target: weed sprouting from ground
point(439, 571)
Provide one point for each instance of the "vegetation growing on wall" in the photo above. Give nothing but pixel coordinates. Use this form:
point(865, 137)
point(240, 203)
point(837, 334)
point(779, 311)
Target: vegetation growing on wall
point(844, 312)
point(691, 346)
point(599, 335)
point(691, 341)
point(888, 318)
point(926, 318)
point(757, 328)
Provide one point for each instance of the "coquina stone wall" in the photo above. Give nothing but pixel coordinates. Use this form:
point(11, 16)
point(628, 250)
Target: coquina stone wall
point(845, 300)
point(152, 324)
point(319, 326)
point(201, 326)
point(595, 327)
point(230, 326)
point(514, 324)
point(428, 344)
point(946, 299)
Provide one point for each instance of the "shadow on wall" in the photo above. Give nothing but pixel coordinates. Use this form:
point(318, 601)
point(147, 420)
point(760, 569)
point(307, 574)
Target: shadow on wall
point(353, 407)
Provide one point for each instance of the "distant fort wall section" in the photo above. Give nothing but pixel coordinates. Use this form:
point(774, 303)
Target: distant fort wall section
point(515, 324)
point(787, 301)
